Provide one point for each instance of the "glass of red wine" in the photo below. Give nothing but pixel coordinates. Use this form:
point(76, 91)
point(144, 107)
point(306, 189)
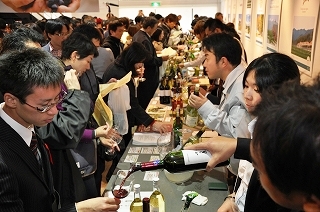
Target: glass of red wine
point(122, 185)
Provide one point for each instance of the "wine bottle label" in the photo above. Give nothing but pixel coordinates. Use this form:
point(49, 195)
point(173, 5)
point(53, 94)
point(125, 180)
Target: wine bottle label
point(154, 209)
point(161, 93)
point(196, 156)
point(167, 92)
point(191, 121)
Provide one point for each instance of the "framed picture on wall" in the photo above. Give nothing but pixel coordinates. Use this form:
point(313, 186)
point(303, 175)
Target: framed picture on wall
point(305, 17)
point(273, 24)
point(248, 19)
point(238, 24)
point(261, 9)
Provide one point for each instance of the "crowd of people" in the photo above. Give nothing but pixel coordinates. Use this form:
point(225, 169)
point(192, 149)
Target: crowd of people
point(50, 73)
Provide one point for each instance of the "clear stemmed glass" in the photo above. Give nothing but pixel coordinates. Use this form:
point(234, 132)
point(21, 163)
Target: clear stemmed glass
point(122, 185)
point(116, 138)
point(164, 144)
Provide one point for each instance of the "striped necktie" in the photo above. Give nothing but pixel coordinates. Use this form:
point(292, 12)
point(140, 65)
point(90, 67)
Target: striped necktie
point(34, 145)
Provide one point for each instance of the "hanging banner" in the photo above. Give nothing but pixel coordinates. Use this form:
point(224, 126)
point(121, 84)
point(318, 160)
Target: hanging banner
point(41, 6)
point(305, 17)
point(273, 25)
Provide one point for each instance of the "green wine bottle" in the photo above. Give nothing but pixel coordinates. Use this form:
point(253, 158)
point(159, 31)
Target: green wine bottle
point(191, 112)
point(177, 126)
point(179, 161)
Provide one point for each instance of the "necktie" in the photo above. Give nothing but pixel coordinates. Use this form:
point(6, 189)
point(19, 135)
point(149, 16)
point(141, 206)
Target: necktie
point(34, 147)
point(34, 144)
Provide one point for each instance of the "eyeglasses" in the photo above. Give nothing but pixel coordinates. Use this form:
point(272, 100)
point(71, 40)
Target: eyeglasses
point(62, 34)
point(61, 96)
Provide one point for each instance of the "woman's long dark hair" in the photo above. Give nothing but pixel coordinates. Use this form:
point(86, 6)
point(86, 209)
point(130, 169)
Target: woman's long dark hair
point(135, 53)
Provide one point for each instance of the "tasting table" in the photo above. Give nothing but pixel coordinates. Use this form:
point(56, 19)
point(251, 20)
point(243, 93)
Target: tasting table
point(172, 192)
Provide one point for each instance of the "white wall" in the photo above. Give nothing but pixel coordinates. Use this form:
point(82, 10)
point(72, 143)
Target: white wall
point(255, 50)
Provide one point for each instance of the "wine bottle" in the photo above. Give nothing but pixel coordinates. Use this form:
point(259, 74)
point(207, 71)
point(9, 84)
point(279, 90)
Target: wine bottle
point(162, 92)
point(177, 126)
point(136, 205)
point(179, 161)
point(195, 138)
point(157, 203)
point(167, 91)
point(146, 204)
point(191, 112)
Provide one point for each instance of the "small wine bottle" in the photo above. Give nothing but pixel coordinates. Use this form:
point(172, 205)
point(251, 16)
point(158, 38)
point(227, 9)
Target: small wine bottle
point(146, 204)
point(179, 161)
point(157, 203)
point(177, 126)
point(136, 205)
point(162, 92)
point(195, 138)
point(192, 113)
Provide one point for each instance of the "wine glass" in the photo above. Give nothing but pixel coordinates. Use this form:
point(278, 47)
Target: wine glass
point(116, 138)
point(164, 144)
point(122, 185)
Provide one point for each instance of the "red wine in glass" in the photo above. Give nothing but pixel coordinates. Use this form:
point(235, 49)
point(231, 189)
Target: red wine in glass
point(120, 193)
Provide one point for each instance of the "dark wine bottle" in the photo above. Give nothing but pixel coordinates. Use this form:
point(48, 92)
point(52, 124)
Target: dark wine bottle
point(180, 161)
point(177, 126)
point(162, 92)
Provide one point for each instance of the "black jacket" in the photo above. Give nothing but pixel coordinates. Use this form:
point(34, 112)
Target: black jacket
point(147, 89)
point(114, 44)
point(136, 115)
point(257, 198)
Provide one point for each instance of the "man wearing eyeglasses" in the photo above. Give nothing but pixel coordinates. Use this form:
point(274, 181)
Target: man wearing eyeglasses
point(31, 86)
point(57, 31)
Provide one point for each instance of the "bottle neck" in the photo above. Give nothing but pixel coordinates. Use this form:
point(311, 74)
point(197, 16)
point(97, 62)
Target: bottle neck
point(199, 134)
point(155, 186)
point(151, 165)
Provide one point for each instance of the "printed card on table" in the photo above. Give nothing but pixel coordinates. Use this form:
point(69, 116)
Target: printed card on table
point(154, 157)
point(134, 150)
point(155, 150)
point(131, 158)
point(147, 150)
point(150, 175)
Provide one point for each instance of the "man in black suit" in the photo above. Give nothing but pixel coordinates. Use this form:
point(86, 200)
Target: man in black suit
point(147, 88)
point(31, 87)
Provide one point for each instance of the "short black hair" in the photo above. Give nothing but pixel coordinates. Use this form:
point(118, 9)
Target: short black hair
point(113, 25)
point(149, 22)
point(80, 43)
point(21, 71)
point(287, 137)
point(272, 69)
point(223, 45)
point(18, 40)
point(55, 25)
point(90, 31)
point(213, 24)
point(138, 19)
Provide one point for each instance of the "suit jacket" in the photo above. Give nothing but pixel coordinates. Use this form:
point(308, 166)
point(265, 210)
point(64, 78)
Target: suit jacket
point(147, 89)
point(257, 198)
point(23, 185)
